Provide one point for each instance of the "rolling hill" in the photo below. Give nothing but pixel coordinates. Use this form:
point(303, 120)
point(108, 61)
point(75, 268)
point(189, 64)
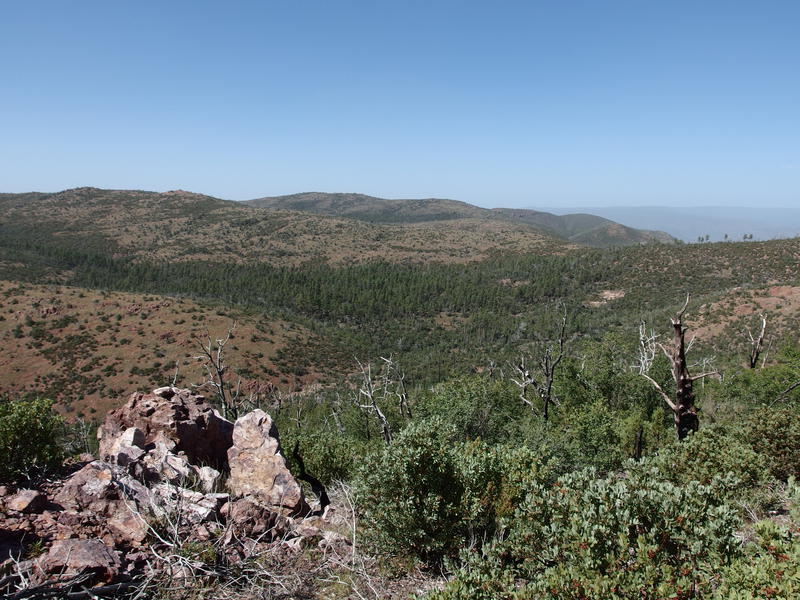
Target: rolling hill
point(88, 348)
point(181, 226)
point(584, 229)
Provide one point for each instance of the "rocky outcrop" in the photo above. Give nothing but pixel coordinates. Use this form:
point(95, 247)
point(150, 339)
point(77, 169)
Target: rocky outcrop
point(258, 468)
point(181, 421)
point(155, 487)
point(249, 519)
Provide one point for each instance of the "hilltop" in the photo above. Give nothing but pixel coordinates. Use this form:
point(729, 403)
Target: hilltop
point(584, 229)
point(184, 226)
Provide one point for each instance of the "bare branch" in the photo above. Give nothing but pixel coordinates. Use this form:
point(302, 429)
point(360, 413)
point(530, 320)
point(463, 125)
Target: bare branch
point(683, 407)
point(542, 381)
point(214, 362)
point(679, 316)
point(660, 390)
point(785, 393)
point(756, 343)
point(368, 391)
point(703, 375)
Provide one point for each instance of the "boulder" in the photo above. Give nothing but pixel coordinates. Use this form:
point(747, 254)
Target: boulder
point(173, 416)
point(184, 506)
point(128, 529)
point(27, 501)
point(208, 478)
point(91, 488)
point(132, 437)
point(247, 519)
point(98, 488)
point(258, 469)
point(73, 557)
point(127, 448)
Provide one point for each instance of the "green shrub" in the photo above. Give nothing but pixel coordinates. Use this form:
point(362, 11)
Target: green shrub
point(328, 456)
point(30, 436)
point(478, 407)
point(428, 493)
point(636, 536)
point(775, 435)
point(711, 452)
point(770, 569)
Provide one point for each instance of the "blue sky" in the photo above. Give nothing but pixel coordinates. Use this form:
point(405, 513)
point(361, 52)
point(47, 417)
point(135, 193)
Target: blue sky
point(495, 103)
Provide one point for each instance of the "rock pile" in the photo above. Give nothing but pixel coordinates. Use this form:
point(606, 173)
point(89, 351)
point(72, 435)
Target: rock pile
point(161, 481)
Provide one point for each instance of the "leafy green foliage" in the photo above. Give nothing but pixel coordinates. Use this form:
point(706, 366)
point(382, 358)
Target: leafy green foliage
point(29, 438)
point(329, 456)
point(478, 407)
point(770, 568)
point(775, 436)
point(592, 537)
point(428, 492)
point(711, 452)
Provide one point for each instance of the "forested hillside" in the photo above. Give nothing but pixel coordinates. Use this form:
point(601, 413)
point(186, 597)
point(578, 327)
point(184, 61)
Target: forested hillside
point(493, 419)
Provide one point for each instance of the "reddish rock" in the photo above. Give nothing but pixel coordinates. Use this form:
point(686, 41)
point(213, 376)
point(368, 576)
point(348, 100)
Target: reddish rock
point(258, 468)
point(247, 519)
point(175, 417)
point(92, 488)
point(27, 501)
point(128, 529)
point(73, 557)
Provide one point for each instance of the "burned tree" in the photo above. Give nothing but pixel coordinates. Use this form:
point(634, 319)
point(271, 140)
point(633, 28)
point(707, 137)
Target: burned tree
point(213, 359)
point(683, 406)
point(756, 343)
point(383, 391)
point(540, 378)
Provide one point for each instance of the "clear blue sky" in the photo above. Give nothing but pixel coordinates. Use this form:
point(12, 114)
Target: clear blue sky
point(496, 103)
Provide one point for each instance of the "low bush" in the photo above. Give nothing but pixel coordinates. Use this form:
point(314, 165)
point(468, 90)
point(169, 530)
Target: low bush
point(632, 536)
point(775, 435)
point(429, 493)
point(478, 407)
point(30, 439)
point(328, 455)
point(770, 568)
point(711, 452)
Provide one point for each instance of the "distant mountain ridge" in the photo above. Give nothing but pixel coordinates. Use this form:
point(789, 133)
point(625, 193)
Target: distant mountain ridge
point(720, 223)
point(585, 229)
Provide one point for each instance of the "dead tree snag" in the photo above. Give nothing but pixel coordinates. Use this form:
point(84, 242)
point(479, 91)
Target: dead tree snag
point(541, 379)
point(756, 343)
point(683, 406)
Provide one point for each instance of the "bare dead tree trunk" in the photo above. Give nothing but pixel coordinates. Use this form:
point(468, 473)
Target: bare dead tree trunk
point(370, 395)
point(683, 406)
point(686, 420)
point(542, 381)
point(213, 358)
point(393, 377)
point(756, 343)
point(335, 415)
